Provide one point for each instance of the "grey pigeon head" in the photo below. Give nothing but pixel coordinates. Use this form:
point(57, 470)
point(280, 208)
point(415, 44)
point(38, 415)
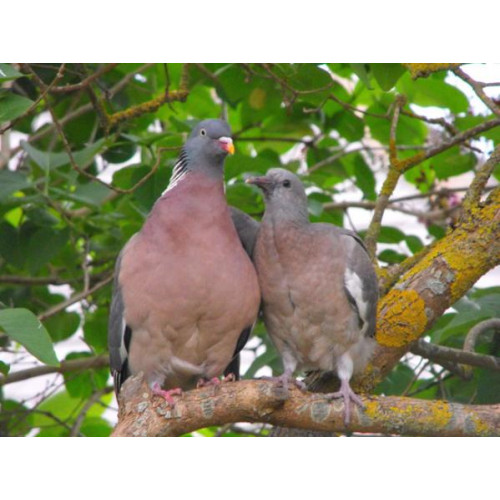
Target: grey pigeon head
point(209, 143)
point(284, 193)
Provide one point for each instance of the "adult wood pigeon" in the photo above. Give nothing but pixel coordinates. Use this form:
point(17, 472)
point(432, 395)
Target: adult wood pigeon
point(319, 288)
point(186, 294)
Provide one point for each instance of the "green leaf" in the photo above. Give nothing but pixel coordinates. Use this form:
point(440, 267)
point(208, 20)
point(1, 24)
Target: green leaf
point(397, 381)
point(7, 72)
point(61, 326)
point(10, 182)
point(12, 105)
point(83, 384)
point(365, 179)
point(96, 427)
point(24, 327)
point(45, 244)
point(65, 408)
point(49, 161)
point(15, 418)
point(451, 163)
point(391, 257)
point(433, 92)
point(4, 368)
point(121, 151)
point(390, 234)
point(387, 75)
point(95, 328)
point(414, 243)
point(46, 160)
point(348, 125)
point(361, 71)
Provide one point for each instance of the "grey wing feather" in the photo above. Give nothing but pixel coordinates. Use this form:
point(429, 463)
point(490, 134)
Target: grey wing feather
point(361, 284)
point(246, 227)
point(118, 333)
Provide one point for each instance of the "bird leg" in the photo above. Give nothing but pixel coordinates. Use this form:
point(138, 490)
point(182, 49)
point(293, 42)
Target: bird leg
point(167, 395)
point(349, 395)
point(284, 380)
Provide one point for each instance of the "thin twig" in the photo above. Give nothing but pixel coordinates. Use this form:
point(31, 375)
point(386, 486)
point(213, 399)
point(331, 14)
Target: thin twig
point(83, 109)
point(388, 186)
point(84, 83)
point(59, 75)
point(478, 89)
point(73, 365)
point(483, 173)
point(75, 429)
point(74, 298)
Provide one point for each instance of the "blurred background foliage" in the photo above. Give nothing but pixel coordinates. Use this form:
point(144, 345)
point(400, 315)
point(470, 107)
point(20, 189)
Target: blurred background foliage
point(86, 149)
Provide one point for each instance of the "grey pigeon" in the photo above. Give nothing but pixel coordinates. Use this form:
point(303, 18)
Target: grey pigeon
point(319, 288)
point(186, 294)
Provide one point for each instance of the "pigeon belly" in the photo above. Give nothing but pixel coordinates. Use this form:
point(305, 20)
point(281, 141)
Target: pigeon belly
point(191, 294)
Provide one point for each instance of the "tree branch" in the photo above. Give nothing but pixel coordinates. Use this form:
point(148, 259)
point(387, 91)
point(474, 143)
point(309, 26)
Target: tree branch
point(85, 82)
point(73, 365)
point(484, 172)
point(439, 354)
point(142, 414)
point(478, 89)
point(74, 298)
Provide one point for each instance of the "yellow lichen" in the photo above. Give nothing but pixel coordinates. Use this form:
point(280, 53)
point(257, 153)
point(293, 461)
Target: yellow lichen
point(425, 419)
point(405, 164)
point(425, 69)
point(402, 318)
point(481, 428)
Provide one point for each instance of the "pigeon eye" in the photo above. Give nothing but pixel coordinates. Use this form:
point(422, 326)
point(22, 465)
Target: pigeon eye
point(203, 132)
point(287, 183)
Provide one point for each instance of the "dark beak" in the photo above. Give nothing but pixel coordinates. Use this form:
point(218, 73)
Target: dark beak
point(263, 182)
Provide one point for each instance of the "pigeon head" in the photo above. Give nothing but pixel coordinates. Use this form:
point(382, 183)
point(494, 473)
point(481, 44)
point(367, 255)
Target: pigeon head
point(284, 193)
point(208, 144)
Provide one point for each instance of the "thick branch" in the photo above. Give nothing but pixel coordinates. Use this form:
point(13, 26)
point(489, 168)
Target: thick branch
point(448, 269)
point(142, 414)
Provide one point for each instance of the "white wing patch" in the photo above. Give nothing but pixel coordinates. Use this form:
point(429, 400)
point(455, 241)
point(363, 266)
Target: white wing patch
point(123, 349)
point(354, 286)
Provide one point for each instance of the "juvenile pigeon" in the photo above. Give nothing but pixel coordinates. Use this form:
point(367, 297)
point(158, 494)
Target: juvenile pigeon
point(319, 289)
point(186, 293)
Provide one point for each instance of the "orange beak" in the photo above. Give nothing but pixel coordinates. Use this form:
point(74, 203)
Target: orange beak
point(226, 143)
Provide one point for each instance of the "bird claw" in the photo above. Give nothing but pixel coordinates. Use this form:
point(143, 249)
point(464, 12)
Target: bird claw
point(348, 395)
point(167, 395)
point(283, 381)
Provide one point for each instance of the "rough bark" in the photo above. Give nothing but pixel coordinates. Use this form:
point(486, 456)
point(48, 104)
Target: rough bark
point(142, 414)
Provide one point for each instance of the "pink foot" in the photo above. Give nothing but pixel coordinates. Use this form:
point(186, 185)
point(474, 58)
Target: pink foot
point(167, 395)
point(231, 377)
point(203, 382)
point(349, 396)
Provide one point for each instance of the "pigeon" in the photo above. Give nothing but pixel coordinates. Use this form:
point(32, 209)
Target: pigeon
point(185, 294)
point(319, 288)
